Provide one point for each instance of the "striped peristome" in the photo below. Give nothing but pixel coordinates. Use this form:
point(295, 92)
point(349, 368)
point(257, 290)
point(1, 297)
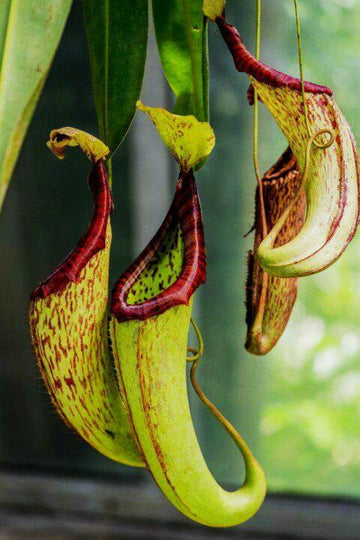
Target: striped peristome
point(171, 267)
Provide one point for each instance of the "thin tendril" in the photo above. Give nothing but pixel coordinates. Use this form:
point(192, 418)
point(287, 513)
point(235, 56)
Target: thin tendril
point(271, 237)
point(197, 353)
point(301, 70)
point(257, 324)
point(236, 437)
point(256, 124)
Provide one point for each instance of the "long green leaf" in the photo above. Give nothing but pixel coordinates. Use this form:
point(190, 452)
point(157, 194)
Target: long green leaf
point(181, 33)
point(117, 37)
point(30, 31)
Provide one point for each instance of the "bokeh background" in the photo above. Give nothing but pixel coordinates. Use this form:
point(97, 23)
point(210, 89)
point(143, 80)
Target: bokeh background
point(299, 407)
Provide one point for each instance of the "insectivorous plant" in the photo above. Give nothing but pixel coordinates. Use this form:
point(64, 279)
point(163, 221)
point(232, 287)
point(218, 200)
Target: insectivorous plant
point(68, 320)
point(325, 151)
point(151, 314)
point(132, 405)
point(270, 299)
point(324, 147)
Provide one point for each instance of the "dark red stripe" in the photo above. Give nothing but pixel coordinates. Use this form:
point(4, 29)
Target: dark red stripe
point(245, 62)
point(185, 210)
point(90, 243)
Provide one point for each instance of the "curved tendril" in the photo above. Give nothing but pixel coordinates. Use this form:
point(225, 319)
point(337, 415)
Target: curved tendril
point(197, 354)
point(301, 70)
point(271, 237)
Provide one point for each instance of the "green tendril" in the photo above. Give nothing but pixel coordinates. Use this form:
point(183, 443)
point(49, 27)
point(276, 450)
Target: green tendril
point(271, 237)
point(234, 434)
point(311, 141)
point(302, 81)
point(257, 324)
point(256, 124)
point(197, 353)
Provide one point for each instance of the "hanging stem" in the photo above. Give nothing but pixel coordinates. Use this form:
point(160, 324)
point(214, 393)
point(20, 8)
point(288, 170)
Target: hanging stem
point(257, 325)
point(270, 240)
point(301, 71)
point(109, 171)
point(256, 124)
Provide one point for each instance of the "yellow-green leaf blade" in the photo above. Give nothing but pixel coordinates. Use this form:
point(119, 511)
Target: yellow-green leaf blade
point(188, 140)
point(30, 31)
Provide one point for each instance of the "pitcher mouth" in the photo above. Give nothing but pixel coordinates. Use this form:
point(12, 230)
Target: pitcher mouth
point(245, 62)
point(92, 241)
point(171, 267)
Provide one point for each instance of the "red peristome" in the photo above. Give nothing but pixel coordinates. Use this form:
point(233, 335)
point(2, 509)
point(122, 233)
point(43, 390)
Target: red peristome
point(90, 243)
point(245, 62)
point(185, 210)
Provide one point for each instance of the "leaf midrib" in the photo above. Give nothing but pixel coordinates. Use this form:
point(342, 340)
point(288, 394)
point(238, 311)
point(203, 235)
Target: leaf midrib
point(106, 82)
